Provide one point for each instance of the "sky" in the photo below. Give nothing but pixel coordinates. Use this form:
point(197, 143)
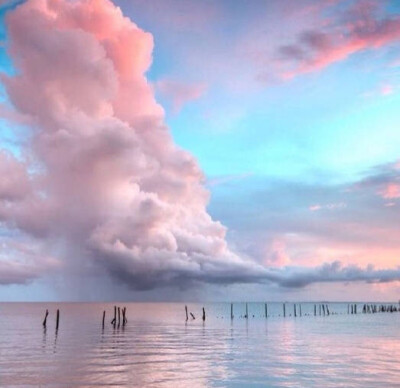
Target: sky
point(199, 150)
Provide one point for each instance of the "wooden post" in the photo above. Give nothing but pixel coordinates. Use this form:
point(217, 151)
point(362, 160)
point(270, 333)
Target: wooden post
point(193, 317)
point(323, 308)
point(115, 316)
point(300, 309)
point(57, 318)
point(315, 310)
point(355, 308)
point(294, 310)
point(123, 316)
point(266, 310)
point(204, 314)
point(45, 318)
point(119, 316)
point(187, 317)
point(327, 309)
point(247, 312)
point(284, 310)
point(104, 317)
point(319, 309)
point(231, 310)
point(348, 309)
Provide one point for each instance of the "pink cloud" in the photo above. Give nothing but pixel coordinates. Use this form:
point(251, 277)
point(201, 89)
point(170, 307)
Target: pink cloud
point(14, 183)
point(111, 186)
point(9, 114)
point(359, 30)
point(391, 191)
point(28, 263)
point(276, 254)
point(180, 93)
point(386, 90)
point(225, 179)
point(381, 90)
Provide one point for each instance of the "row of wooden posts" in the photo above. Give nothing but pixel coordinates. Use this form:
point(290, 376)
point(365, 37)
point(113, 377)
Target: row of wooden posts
point(115, 321)
point(297, 311)
point(373, 308)
point(321, 308)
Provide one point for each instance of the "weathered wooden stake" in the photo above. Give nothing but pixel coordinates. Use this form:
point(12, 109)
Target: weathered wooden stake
point(247, 312)
point(115, 316)
point(193, 317)
point(355, 309)
point(327, 309)
point(323, 309)
point(119, 316)
point(57, 318)
point(104, 317)
point(266, 310)
point(231, 310)
point(284, 310)
point(186, 310)
point(125, 318)
point(294, 310)
point(45, 318)
point(300, 309)
point(204, 314)
point(315, 310)
point(319, 309)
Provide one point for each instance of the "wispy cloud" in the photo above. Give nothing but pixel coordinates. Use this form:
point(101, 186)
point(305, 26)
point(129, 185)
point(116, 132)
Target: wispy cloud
point(225, 179)
point(329, 206)
point(180, 93)
point(344, 29)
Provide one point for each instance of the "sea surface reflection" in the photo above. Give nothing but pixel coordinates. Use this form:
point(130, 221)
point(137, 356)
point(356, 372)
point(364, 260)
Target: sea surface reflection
point(158, 348)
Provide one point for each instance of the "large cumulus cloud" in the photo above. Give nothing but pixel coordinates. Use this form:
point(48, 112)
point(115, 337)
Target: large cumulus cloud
point(106, 177)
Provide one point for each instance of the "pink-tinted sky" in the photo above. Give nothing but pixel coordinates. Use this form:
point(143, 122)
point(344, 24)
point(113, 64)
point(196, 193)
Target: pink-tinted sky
point(199, 150)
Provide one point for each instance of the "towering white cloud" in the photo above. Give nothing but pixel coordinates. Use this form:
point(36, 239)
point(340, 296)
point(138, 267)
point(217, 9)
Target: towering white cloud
point(109, 184)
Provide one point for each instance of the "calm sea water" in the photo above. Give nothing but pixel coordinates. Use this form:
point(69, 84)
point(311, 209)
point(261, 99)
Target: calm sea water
point(157, 348)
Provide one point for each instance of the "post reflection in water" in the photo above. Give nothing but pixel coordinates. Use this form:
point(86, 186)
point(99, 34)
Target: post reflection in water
point(158, 347)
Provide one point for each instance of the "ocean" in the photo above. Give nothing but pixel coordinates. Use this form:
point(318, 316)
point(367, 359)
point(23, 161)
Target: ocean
point(159, 348)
